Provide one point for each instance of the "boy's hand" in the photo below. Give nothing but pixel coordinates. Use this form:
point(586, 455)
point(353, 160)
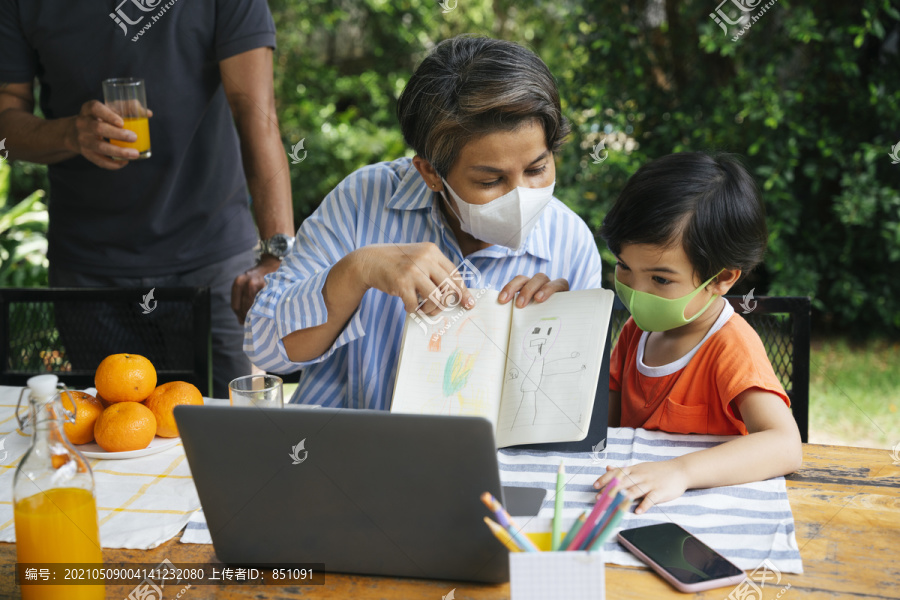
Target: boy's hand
point(538, 288)
point(655, 482)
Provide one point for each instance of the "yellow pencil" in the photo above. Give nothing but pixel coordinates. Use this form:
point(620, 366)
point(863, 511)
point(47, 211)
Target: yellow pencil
point(502, 535)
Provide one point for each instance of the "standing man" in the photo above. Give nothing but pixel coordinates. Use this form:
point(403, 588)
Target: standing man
point(181, 217)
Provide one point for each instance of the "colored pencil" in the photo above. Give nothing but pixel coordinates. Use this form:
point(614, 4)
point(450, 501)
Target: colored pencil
point(611, 526)
point(494, 505)
point(605, 498)
point(502, 535)
point(558, 507)
point(522, 540)
point(603, 520)
point(573, 531)
point(507, 523)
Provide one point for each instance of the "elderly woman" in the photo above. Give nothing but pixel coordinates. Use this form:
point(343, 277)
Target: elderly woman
point(484, 119)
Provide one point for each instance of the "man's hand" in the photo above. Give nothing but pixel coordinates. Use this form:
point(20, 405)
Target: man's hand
point(248, 284)
point(95, 122)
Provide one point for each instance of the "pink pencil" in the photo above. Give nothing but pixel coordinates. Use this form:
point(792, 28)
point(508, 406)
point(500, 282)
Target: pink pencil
point(605, 499)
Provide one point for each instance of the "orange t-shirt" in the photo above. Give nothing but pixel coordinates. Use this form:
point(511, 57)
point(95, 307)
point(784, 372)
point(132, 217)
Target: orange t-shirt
point(694, 397)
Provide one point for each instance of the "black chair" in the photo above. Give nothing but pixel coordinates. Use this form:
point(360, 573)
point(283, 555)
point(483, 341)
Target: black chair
point(68, 331)
point(783, 325)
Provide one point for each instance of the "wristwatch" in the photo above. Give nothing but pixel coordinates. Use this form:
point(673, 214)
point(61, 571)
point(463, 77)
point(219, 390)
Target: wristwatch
point(279, 245)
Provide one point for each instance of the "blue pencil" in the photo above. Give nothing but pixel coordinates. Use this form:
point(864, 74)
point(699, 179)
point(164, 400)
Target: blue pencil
point(611, 526)
point(573, 531)
point(521, 540)
point(604, 519)
point(606, 497)
point(507, 523)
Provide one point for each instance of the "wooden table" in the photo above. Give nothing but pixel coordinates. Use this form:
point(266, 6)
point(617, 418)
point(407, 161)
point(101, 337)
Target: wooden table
point(846, 504)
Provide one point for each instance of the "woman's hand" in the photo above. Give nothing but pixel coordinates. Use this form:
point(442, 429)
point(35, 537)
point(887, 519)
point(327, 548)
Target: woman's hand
point(538, 288)
point(414, 272)
point(655, 482)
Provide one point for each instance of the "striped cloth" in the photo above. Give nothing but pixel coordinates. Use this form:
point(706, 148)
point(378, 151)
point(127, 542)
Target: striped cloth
point(746, 523)
point(141, 502)
point(389, 203)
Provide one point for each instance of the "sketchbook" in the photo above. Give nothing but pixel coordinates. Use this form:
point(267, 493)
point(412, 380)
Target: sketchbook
point(532, 372)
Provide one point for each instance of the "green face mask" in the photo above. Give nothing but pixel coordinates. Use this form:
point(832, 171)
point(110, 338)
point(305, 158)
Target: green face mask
point(653, 313)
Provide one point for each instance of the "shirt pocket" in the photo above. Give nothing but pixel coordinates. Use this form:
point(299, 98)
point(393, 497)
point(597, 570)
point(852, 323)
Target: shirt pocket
point(678, 418)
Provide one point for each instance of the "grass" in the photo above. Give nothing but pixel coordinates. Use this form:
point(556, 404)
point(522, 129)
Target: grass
point(854, 393)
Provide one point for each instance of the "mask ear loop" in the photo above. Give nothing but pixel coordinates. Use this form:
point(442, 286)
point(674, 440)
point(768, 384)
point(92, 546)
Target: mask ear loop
point(450, 192)
point(697, 291)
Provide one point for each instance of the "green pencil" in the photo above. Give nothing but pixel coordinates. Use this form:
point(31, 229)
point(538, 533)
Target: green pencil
point(558, 507)
point(611, 526)
point(576, 526)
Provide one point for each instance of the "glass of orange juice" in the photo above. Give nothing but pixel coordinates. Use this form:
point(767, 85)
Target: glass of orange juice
point(127, 96)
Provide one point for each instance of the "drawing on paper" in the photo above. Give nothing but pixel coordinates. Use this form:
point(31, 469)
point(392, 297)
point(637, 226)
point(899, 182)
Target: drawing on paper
point(537, 345)
point(434, 342)
point(462, 346)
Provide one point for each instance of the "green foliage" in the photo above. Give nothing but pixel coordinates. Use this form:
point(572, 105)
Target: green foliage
point(341, 65)
point(809, 98)
point(808, 95)
point(23, 237)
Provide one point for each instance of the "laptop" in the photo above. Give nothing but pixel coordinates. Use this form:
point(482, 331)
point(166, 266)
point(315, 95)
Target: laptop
point(356, 491)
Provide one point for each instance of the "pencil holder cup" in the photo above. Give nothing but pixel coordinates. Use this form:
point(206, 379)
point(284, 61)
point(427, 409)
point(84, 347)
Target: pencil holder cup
point(570, 575)
point(540, 575)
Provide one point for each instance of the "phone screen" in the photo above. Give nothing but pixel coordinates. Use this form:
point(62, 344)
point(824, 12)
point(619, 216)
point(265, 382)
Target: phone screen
point(687, 559)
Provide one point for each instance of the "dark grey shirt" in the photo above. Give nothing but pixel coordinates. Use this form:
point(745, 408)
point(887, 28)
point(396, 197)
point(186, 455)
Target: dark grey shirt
point(187, 205)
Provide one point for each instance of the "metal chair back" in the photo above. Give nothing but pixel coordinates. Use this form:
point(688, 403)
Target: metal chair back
point(68, 331)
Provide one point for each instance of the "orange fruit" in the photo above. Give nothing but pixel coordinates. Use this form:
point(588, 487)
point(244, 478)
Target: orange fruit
point(125, 378)
point(125, 426)
point(87, 409)
point(163, 401)
point(103, 400)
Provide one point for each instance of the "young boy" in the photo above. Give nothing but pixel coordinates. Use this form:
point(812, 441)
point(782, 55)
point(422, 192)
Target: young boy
point(684, 230)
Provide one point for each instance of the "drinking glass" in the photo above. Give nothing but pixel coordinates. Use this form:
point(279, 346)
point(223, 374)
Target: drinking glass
point(127, 97)
point(264, 391)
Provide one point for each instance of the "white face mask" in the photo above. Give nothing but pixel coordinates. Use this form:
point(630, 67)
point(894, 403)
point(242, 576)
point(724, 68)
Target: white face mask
point(504, 221)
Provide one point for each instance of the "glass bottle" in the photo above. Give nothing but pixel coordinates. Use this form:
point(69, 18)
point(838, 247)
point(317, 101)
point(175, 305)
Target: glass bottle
point(53, 497)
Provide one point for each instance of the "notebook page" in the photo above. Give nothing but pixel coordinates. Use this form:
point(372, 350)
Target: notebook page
point(455, 367)
point(554, 360)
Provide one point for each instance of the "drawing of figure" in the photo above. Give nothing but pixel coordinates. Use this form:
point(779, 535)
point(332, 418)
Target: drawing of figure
point(537, 344)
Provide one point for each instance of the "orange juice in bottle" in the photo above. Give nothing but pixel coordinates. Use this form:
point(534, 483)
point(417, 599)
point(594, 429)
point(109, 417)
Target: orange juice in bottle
point(53, 499)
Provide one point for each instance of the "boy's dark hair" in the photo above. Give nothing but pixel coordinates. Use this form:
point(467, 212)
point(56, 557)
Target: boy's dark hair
point(470, 86)
point(711, 201)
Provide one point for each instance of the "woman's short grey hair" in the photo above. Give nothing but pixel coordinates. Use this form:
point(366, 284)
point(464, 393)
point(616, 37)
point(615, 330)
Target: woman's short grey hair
point(471, 86)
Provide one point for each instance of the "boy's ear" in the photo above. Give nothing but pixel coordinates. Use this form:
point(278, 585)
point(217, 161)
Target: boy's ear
point(724, 281)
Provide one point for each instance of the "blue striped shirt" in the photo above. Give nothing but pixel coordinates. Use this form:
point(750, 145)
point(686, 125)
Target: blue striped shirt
point(388, 202)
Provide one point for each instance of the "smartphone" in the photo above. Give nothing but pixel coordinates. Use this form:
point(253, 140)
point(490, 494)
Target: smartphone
point(680, 558)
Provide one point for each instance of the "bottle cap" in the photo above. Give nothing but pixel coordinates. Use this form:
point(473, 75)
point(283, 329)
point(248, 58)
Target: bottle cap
point(42, 386)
